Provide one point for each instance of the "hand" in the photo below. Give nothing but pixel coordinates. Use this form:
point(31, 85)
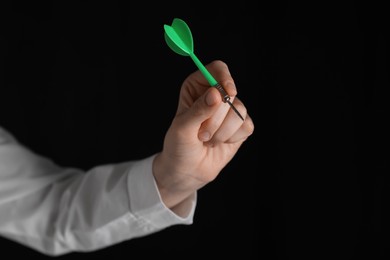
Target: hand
point(204, 136)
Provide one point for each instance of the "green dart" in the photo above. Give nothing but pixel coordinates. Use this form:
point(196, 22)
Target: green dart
point(178, 36)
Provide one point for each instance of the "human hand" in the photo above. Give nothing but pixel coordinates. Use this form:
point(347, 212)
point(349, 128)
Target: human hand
point(204, 136)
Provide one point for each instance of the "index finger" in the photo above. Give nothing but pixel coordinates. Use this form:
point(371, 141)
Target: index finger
point(220, 71)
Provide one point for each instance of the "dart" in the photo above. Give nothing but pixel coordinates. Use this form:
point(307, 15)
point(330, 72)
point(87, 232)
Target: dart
point(179, 38)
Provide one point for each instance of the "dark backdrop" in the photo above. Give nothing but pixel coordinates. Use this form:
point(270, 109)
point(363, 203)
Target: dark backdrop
point(330, 70)
point(92, 83)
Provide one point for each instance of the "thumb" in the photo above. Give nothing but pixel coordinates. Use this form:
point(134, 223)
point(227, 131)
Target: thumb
point(202, 109)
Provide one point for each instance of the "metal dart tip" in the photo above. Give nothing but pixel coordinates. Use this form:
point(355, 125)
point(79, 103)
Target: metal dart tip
point(235, 109)
point(226, 99)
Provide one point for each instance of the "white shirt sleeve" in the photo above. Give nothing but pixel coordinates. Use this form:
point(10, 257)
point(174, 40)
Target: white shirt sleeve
point(57, 210)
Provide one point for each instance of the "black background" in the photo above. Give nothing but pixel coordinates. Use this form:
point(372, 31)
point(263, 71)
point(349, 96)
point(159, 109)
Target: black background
point(94, 83)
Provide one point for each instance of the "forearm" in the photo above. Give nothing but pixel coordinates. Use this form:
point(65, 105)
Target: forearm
point(57, 210)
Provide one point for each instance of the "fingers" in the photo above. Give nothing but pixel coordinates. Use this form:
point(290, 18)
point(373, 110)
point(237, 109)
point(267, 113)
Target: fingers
point(206, 115)
point(231, 123)
point(231, 129)
point(203, 109)
point(243, 132)
point(211, 125)
point(221, 72)
point(225, 125)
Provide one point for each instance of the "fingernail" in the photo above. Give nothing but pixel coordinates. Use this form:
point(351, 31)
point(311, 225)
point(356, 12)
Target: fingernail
point(204, 136)
point(210, 99)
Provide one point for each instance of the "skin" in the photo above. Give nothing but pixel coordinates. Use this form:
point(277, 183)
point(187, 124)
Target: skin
point(203, 137)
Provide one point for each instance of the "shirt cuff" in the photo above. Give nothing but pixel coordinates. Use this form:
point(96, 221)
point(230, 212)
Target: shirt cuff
point(145, 199)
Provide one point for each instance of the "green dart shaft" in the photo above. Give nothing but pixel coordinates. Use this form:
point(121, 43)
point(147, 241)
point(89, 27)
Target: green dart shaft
point(203, 69)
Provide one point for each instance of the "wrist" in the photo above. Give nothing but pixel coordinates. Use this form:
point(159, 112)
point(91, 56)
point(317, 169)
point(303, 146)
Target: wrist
point(174, 188)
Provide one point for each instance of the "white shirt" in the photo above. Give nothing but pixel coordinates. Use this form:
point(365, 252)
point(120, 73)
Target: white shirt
point(57, 210)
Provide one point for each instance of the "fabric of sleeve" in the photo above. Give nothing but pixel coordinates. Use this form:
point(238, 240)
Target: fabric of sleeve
point(57, 210)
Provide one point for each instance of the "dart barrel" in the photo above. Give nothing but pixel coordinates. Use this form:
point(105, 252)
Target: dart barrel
point(225, 96)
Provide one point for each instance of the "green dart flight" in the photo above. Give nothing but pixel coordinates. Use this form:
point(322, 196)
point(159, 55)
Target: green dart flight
point(178, 37)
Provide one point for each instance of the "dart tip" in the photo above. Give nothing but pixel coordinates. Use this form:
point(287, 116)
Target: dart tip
point(226, 99)
point(235, 110)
